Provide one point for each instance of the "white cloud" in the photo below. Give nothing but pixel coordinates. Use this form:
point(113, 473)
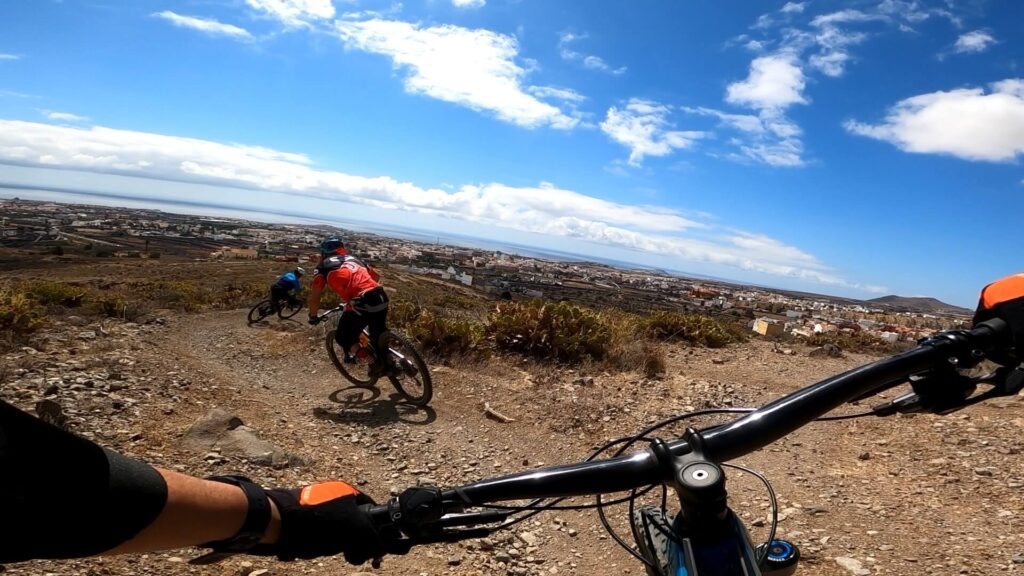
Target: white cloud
point(793, 7)
point(4, 56)
point(589, 61)
point(912, 11)
point(205, 25)
point(643, 127)
point(755, 45)
point(774, 82)
point(844, 16)
point(14, 94)
point(966, 123)
point(830, 63)
point(473, 68)
point(566, 94)
point(295, 13)
point(974, 42)
point(469, 3)
point(768, 138)
point(542, 209)
point(63, 116)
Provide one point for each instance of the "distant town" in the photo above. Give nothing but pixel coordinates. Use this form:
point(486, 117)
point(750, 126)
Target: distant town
point(75, 230)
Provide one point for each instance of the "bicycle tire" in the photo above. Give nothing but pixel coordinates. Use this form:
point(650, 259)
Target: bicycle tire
point(397, 373)
point(260, 311)
point(332, 351)
point(659, 555)
point(285, 312)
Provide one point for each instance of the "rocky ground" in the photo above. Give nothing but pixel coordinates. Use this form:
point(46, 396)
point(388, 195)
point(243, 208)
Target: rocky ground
point(901, 495)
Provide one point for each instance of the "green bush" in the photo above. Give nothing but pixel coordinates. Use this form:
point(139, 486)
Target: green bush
point(555, 331)
point(692, 328)
point(445, 336)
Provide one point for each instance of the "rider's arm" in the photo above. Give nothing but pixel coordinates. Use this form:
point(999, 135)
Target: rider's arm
point(313, 302)
point(70, 498)
point(197, 511)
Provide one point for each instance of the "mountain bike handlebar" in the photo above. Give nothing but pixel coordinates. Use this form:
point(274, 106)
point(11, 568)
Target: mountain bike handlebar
point(952, 349)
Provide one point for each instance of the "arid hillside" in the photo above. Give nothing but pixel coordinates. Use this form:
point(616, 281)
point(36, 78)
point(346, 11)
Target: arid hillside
point(133, 353)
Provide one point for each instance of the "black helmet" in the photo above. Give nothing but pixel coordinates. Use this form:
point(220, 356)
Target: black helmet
point(331, 245)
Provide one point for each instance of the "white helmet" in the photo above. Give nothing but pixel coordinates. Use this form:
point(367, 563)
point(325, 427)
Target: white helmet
point(300, 271)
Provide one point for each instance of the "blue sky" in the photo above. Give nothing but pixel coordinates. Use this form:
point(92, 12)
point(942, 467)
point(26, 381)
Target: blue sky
point(852, 148)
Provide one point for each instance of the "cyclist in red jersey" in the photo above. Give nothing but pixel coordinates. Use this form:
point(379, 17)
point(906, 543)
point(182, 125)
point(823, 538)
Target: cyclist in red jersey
point(366, 303)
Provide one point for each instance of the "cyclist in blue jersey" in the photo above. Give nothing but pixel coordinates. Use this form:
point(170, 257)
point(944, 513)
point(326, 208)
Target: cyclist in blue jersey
point(286, 287)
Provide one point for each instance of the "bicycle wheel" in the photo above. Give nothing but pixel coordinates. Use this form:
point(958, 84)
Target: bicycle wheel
point(260, 311)
point(358, 372)
point(288, 310)
point(406, 369)
point(652, 543)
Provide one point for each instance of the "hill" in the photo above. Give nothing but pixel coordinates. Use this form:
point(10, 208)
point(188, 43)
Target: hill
point(920, 304)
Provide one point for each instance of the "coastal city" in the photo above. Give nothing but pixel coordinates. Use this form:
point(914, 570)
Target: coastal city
point(69, 230)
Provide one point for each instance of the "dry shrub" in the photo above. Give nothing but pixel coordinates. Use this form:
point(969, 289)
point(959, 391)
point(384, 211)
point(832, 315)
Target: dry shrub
point(856, 342)
point(692, 328)
point(121, 308)
point(20, 317)
point(50, 293)
point(546, 330)
point(634, 355)
point(447, 336)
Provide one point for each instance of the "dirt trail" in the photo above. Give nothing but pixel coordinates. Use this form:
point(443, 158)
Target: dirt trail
point(900, 495)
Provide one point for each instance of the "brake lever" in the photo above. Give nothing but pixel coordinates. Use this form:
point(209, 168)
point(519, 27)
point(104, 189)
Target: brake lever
point(947, 393)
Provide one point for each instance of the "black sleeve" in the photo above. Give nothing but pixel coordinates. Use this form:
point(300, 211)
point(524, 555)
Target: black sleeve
point(62, 496)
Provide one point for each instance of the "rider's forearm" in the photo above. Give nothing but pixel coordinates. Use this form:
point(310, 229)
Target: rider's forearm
point(314, 300)
point(197, 511)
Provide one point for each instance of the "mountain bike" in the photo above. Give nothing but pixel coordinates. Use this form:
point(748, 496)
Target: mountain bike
point(285, 309)
point(703, 536)
point(401, 363)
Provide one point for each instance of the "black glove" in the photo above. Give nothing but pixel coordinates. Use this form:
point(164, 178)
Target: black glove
point(323, 520)
point(314, 320)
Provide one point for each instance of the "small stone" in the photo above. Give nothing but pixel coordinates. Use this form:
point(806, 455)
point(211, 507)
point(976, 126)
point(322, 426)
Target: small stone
point(572, 532)
point(852, 566)
point(454, 560)
point(984, 471)
point(864, 456)
point(1018, 559)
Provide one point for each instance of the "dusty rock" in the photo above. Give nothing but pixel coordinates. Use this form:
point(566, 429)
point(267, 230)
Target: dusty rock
point(221, 430)
point(52, 412)
point(826, 351)
point(852, 566)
